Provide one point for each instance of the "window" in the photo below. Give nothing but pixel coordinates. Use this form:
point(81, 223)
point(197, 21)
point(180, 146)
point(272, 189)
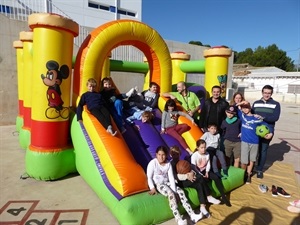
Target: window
point(103, 7)
point(131, 14)
point(110, 8)
point(123, 12)
point(93, 5)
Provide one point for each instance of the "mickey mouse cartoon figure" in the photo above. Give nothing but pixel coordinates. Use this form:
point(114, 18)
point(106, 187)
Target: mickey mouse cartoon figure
point(53, 80)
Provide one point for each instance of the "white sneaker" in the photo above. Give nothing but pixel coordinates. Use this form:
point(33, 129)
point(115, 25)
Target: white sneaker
point(213, 200)
point(130, 92)
point(196, 217)
point(204, 212)
point(182, 222)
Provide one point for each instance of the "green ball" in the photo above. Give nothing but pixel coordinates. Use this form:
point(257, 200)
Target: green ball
point(262, 130)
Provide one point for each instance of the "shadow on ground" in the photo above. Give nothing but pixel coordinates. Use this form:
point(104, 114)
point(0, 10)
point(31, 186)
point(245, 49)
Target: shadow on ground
point(276, 152)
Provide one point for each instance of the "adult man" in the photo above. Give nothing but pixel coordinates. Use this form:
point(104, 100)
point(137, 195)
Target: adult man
point(213, 111)
point(188, 100)
point(269, 110)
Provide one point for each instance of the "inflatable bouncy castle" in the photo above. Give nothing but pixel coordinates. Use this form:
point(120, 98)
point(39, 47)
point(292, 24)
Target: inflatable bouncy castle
point(113, 166)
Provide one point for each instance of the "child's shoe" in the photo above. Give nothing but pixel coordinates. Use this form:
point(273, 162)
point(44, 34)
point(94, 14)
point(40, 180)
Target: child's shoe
point(226, 201)
point(293, 209)
point(129, 121)
point(181, 222)
point(213, 200)
point(282, 192)
point(248, 181)
point(136, 89)
point(263, 188)
point(219, 174)
point(196, 217)
point(295, 203)
point(274, 191)
point(130, 92)
point(204, 212)
point(225, 172)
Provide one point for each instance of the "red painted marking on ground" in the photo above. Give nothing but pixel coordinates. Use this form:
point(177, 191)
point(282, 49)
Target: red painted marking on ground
point(32, 210)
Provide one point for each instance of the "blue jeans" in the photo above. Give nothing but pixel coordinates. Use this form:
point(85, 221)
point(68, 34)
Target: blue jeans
point(117, 112)
point(262, 153)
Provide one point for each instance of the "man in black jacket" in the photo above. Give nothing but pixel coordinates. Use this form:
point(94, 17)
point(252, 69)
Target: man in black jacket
point(213, 111)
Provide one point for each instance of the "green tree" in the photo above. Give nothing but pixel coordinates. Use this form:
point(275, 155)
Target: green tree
point(196, 43)
point(269, 56)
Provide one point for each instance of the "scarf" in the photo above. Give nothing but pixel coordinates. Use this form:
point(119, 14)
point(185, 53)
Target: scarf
point(231, 120)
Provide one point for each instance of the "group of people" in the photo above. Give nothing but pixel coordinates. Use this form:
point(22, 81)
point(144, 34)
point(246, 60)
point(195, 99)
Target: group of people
point(107, 102)
point(229, 136)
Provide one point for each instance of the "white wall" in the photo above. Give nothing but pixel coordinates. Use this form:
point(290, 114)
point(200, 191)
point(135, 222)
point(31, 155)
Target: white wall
point(84, 15)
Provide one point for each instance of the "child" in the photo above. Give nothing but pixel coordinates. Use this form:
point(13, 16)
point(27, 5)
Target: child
point(96, 105)
point(160, 178)
point(138, 115)
point(250, 141)
point(192, 179)
point(169, 123)
point(114, 101)
point(231, 127)
point(201, 160)
point(144, 116)
point(212, 139)
point(148, 98)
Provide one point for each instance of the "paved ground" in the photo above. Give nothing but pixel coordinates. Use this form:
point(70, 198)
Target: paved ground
point(71, 201)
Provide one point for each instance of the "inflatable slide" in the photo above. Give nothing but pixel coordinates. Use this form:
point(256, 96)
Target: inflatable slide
point(56, 144)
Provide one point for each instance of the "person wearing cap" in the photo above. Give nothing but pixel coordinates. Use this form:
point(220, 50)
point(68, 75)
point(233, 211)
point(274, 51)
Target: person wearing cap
point(231, 127)
point(269, 110)
point(249, 138)
point(188, 100)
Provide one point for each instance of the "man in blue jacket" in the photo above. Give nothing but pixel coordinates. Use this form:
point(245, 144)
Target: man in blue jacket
point(269, 109)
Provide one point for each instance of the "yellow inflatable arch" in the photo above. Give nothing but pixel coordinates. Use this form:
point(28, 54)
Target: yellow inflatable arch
point(98, 45)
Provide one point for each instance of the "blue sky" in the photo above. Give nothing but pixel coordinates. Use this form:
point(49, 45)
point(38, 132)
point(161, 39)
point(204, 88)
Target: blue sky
point(238, 24)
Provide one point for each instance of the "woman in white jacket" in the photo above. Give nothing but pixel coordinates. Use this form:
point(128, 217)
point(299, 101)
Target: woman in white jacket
point(161, 179)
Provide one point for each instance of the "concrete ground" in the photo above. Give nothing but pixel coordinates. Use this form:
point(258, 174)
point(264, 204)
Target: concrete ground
point(71, 200)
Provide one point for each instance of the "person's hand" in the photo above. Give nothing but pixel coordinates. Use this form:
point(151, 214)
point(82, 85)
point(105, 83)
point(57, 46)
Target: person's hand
point(152, 191)
point(190, 112)
point(163, 131)
point(242, 103)
point(268, 136)
point(240, 135)
point(206, 175)
point(191, 176)
point(172, 97)
point(258, 116)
